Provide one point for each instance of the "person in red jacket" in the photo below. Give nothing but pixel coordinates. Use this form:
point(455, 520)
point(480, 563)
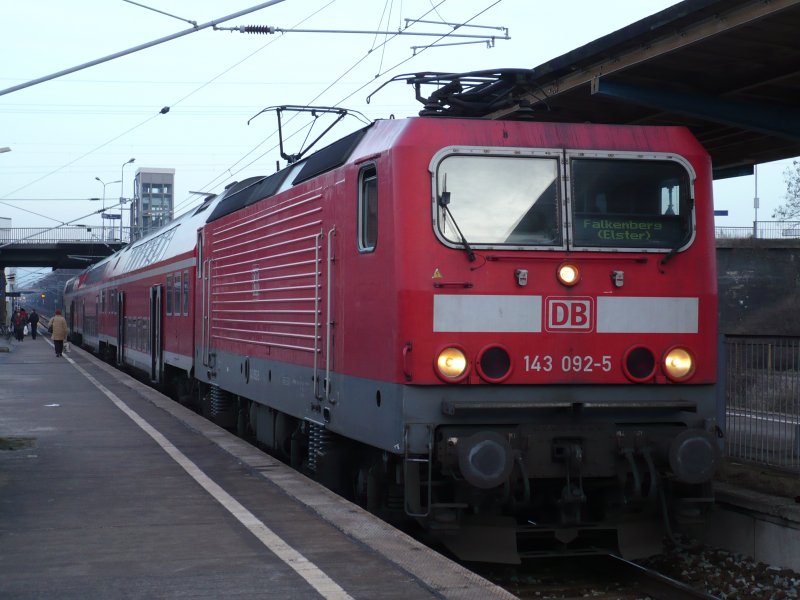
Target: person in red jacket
point(20, 320)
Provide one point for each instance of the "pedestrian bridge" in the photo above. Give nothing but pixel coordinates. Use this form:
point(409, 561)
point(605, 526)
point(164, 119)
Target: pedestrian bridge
point(60, 247)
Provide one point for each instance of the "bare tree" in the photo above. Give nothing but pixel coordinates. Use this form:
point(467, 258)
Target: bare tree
point(791, 209)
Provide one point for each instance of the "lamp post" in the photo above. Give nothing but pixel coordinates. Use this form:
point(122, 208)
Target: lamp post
point(122, 194)
point(755, 202)
point(103, 212)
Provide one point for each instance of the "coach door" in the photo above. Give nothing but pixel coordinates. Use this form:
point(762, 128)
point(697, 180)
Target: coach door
point(120, 328)
point(205, 312)
point(155, 334)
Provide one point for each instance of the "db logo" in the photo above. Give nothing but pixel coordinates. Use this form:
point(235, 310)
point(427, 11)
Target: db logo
point(574, 314)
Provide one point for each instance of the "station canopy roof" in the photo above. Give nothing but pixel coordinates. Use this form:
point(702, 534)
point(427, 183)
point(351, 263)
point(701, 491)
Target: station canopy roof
point(729, 70)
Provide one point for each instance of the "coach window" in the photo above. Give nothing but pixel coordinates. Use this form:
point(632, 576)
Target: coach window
point(186, 293)
point(168, 294)
point(199, 264)
point(368, 209)
point(177, 293)
point(498, 200)
point(621, 203)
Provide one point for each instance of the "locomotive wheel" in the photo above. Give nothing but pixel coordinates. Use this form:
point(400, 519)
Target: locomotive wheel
point(243, 429)
point(204, 401)
point(368, 487)
point(182, 390)
point(332, 467)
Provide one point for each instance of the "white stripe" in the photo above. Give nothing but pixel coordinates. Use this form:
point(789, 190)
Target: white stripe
point(484, 313)
point(647, 315)
point(326, 587)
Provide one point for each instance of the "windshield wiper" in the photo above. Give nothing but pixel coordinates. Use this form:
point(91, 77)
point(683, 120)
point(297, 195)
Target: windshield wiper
point(674, 250)
point(444, 201)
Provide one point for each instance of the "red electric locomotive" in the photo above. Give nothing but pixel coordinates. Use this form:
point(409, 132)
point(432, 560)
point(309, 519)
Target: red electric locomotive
point(505, 330)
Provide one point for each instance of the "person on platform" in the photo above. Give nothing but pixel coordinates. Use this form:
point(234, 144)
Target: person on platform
point(13, 322)
point(20, 320)
point(59, 330)
point(33, 322)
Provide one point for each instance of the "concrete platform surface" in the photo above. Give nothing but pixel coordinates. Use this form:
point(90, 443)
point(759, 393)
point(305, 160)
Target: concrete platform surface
point(110, 490)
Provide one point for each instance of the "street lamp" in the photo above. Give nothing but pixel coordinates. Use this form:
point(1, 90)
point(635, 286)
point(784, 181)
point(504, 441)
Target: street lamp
point(755, 202)
point(103, 212)
point(122, 194)
point(104, 184)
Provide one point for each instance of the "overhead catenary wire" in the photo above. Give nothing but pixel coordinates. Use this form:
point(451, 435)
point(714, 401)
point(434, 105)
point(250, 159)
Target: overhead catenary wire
point(168, 38)
point(422, 49)
point(310, 102)
point(269, 29)
point(237, 167)
point(388, 37)
point(150, 118)
point(390, 5)
point(191, 203)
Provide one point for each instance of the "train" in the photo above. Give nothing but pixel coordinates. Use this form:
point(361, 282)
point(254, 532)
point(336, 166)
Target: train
point(503, 331)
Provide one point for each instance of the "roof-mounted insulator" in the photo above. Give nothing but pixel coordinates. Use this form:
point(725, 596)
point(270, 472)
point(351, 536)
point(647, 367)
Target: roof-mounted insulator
point(265, 29)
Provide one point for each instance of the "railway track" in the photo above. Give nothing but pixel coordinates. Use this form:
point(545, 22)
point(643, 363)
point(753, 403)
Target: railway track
point(655, 584)
point(603, 577)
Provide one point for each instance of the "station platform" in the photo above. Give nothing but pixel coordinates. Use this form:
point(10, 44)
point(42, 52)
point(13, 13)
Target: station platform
point(109, 490)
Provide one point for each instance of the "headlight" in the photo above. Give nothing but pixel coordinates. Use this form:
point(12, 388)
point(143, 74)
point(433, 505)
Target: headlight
point(679, 364)
point(494, 364)
point(568, 274)
point(639, 364)
point(451, 364)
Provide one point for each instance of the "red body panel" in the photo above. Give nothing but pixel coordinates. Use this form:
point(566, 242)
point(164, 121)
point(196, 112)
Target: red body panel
point(383, 301)
point(96, 319)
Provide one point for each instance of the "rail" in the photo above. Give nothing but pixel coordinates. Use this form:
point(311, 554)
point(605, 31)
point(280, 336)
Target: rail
point(655, 584)
point(763, 400)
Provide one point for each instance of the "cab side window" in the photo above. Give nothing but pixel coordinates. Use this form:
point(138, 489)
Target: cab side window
point(367, 208)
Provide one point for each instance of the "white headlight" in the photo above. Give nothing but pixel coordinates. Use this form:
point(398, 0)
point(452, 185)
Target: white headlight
point(679, 364)
point(568, 274)
point(451, 363)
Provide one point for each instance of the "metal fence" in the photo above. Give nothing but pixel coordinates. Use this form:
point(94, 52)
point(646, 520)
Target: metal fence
point(48, 235)
point(763, 400)
point(763, 230)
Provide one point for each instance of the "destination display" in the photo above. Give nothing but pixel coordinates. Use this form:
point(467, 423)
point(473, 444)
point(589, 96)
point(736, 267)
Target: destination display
point(630, 231)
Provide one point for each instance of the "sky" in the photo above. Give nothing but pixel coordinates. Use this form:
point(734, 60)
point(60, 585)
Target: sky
point(66, 132)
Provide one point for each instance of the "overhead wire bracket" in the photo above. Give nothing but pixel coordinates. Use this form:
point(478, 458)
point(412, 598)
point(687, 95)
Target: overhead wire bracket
point(472, 94)
point(487, 39)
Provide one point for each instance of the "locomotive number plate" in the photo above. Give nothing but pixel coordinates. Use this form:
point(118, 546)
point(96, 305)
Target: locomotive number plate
point(567, 364)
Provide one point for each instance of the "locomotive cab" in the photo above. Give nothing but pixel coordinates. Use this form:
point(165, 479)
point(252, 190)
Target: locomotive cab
point(569, 360)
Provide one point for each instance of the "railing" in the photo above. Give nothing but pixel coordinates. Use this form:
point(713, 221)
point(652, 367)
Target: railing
point(763, 400)
point(45, 235)
point(767, 230)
